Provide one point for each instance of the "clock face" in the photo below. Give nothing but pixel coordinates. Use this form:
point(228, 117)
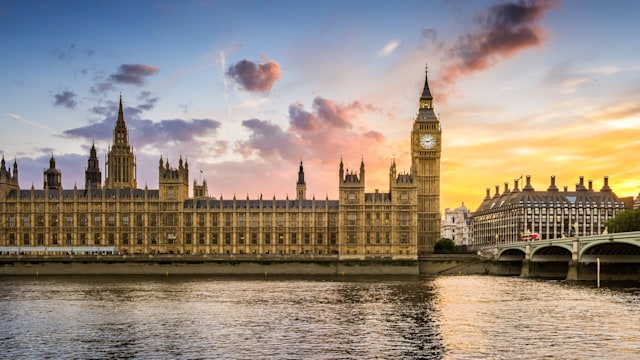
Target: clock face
point(427, 141)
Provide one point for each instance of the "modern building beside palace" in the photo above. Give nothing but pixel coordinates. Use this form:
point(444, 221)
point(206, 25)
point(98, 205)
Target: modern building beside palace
point(399, 224)
point(457, 225)
point(551, 213)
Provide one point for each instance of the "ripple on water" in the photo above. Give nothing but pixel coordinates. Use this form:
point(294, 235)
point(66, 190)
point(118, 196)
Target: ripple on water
point(466, 317)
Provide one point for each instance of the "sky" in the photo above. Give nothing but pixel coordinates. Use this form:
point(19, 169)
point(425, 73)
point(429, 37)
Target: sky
point(246, 90)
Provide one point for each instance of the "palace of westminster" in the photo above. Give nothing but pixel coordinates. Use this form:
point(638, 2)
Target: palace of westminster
point(400, 224)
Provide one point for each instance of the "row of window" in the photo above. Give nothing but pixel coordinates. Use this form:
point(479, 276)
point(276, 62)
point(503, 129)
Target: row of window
point(212, 239)
point(173, 220)
point(189, 239)
point(166, 220)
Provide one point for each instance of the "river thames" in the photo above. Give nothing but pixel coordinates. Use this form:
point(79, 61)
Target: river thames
point(183, 317)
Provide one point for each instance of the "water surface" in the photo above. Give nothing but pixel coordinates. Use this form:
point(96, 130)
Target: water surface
point(465, 317)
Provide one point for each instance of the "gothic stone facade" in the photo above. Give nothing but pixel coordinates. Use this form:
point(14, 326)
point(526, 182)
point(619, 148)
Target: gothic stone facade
point(117, 214)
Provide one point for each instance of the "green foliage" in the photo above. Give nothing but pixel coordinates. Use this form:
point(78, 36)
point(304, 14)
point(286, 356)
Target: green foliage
point(625, 221)
point(445, 246)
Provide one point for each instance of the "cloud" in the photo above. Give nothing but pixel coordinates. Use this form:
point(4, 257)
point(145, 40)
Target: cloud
point(145, 132)
point(128, 74)
point(319, 135)
point(32, 123)
point(504, 30)
point(389, 48)
point(133, 74)
point(64, 54)
point(302, 120)
point(71, 165)
point(430, 33)
point(255, 77)
point(149, 100)
point(339, 115)
point(101, 88)
point(268, 139)
point(223, 64)
point(66, 99)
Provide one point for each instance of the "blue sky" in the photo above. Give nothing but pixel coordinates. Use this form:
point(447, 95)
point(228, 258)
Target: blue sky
point(245, 90)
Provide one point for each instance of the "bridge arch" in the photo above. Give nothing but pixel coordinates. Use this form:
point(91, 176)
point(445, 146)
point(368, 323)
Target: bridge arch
point(610, 251)
point(511, 254)
point(551, 253)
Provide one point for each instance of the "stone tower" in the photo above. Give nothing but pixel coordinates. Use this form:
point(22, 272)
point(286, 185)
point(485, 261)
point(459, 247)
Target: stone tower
point(426, 147)
point(173, 182)
point(121, 165)
point(8, 181)
point(352, 199)
point(93, 175)
point(200, 191)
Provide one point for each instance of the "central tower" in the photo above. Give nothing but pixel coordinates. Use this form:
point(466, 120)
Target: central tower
point(426, 147)
point(121, 164)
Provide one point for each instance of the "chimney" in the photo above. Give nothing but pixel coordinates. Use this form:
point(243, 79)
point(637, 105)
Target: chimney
point(488, 194)
point(606, 184)
point(528, 185)
point(515, 185)
point(553, 186)
point(497, 191)
point(506, 187)
point(565, 188)
point(590, 185)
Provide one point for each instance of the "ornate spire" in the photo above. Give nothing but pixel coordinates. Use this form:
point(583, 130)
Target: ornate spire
point(120, 112)
point(426, 93)
point(120, 163)
point(425, 110)
point(301, 186)
point(93, 175)
point(301, 175)
point(120, 136)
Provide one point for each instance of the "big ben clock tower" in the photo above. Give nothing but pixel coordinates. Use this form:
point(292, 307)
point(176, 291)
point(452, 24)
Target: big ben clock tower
point(426, 147)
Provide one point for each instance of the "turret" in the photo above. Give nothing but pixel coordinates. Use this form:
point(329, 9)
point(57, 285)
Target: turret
point(8, 181)
point(200, 191)
point(92, 174)
point(392, 173)
point(52, 176)
point(301, 186)
point(15, 172)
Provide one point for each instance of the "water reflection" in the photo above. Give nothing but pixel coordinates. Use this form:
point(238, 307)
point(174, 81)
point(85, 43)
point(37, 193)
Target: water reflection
point(520, 318)
point(315, 318)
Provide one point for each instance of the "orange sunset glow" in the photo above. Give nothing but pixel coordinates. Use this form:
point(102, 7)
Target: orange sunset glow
point(248, 90)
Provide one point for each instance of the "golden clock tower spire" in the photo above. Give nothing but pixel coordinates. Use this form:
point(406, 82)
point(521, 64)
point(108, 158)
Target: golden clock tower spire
point(426, 147)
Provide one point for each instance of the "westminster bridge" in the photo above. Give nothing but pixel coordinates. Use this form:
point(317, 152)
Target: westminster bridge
point(573, 258)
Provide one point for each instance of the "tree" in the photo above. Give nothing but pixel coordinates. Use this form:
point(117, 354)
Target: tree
point(445, 246)
point(625, 221)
